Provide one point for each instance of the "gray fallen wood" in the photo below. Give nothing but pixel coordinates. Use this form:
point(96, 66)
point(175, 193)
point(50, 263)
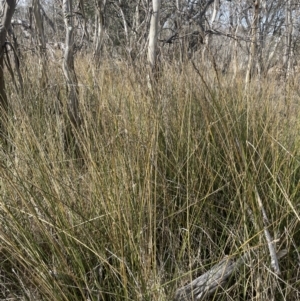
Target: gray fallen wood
point(271, 244)
point(208, 283)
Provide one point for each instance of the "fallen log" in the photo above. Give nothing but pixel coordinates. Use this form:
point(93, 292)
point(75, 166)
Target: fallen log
point(214, 278)
point(208, 283)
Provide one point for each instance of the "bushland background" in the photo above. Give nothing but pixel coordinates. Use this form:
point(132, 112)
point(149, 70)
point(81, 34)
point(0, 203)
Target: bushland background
point(137, 139)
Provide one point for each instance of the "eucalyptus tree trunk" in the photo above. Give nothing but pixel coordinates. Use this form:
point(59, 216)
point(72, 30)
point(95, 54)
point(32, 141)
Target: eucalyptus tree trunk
point(260, 45)
point(81, 6)
point(211, 27)
point(287, 58)
point(126, 30)
point(133, 43)
point(153, 34)
point(253, 48)
point(7, 8)
point(68, 63)
point(99, 29)
point(41, 40)
point(234, 26)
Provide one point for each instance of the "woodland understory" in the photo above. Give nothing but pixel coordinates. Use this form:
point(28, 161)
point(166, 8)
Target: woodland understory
point(144, 145)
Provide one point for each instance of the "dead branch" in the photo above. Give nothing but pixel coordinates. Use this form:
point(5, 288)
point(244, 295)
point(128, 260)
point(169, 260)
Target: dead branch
point(209, 282)
point(273, 255)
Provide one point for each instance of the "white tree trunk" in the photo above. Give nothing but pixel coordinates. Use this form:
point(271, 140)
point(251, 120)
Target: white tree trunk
point(68, 63)
point(81, 6)
point(99, 28)
point(135, 27)
point(41, 40)
point(234, 26)
point(153, 33)
point(252, 53)
point(126, 31)
point(287, 58)
point(211, 27)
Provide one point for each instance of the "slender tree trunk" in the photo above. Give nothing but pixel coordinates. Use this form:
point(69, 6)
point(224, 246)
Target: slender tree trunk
point(182, 50)
point(68, 63)
point(234, 29)
point(235, 59)
point(153, 34)
point(211, 26)
point(272, 54)
point(7, 8)
point(133, 44)
point(287, 58)
point(99, 29)
point(253, 47)
point(126, 30)
point(41, 40)
point(81, 7)
point(260, 47)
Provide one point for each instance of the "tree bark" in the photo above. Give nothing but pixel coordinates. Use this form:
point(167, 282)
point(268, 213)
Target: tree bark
point(7, 9)
point(211, 27)
point(153, 34)
point(82, 9)
point(41, 40)
point(287, 58)
point(234, 26)
point(99, 29)
point(68, 63)
point(253, 47)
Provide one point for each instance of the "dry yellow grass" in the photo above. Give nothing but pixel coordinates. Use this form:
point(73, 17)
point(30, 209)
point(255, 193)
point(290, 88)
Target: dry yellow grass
point(160, 190)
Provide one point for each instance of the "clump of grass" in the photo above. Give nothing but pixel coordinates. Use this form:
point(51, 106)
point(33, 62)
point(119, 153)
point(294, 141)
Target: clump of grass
point(162, 190)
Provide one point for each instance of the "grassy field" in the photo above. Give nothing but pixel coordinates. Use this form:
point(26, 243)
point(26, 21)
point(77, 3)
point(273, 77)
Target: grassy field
point(161, 188)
